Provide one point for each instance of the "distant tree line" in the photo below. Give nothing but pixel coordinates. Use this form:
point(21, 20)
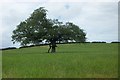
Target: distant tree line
point(98, 42)
point(10, 48)
point(115, 42)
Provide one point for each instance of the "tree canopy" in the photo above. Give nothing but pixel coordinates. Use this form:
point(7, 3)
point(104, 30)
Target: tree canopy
point(38, 28)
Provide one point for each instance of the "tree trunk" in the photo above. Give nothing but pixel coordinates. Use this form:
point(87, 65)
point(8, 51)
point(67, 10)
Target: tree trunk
point(53, 43)
point(53, 50)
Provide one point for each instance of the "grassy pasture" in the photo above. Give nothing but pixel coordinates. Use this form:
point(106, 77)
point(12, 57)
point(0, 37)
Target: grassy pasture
point(71, 61)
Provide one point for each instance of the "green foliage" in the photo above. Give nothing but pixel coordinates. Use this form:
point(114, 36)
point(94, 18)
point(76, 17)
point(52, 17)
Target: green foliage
point(38, 28)
point(72, 61)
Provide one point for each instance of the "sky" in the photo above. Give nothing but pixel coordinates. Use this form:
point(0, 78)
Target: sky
point(99, 18)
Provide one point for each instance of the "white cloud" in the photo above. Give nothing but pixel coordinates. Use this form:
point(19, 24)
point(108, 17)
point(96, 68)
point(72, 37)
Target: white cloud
point(100, 22)
point(84, 0)
point(19, 1)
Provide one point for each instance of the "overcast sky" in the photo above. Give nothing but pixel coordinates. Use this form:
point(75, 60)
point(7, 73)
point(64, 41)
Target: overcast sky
point(98, 18)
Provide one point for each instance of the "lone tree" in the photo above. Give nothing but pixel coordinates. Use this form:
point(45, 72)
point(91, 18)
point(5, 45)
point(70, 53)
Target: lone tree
point(38, 28)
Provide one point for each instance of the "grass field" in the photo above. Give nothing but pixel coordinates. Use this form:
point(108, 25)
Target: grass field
point(70, 61)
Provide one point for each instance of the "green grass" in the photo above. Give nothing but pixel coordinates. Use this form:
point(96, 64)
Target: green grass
point(70, 61)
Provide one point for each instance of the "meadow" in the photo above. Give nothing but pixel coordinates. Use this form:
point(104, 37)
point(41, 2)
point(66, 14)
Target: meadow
point(90, 60)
